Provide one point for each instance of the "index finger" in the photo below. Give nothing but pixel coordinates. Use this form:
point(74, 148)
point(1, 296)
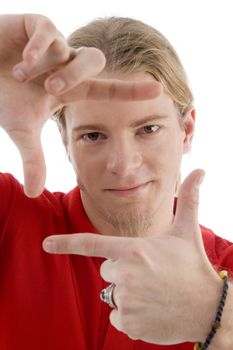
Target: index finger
point(86, 244)
point(122, 90)
point(112, 90)
point(80, 81)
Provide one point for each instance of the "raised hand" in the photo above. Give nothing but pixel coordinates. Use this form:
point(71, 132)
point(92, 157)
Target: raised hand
point(40, 73)
point(25, 107)
point(166, 291)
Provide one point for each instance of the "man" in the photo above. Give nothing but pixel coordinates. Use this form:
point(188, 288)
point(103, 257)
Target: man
point(125, 114)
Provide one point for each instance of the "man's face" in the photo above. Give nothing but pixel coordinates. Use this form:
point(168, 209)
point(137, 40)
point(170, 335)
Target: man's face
point(127, 157)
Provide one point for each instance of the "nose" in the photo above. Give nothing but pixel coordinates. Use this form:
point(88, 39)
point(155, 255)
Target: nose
point(124, 157)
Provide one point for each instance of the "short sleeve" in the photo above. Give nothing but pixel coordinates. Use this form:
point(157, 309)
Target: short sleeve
point(224, 251)
point(9, 187)
point(219, 251)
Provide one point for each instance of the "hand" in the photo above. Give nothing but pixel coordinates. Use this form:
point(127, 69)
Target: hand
point(34, 59)
point(167, 291)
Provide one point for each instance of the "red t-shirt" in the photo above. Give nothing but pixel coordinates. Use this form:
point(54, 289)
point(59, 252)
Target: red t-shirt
point(51, 302)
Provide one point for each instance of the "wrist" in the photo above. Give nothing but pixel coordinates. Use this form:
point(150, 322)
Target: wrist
point(219, 334)
point(209, 293)
point(224, 338)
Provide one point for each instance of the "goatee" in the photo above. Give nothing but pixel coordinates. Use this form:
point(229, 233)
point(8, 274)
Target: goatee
point(130, 223)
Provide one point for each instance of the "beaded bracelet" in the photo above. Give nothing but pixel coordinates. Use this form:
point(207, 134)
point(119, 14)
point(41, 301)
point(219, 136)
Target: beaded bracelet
point(217, 322)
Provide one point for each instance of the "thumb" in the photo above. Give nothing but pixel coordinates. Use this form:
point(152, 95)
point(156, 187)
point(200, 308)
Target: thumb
point(30, 148)
point(186, 217)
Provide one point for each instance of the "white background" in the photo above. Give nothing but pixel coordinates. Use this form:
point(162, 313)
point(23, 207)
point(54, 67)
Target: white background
point(201, 31)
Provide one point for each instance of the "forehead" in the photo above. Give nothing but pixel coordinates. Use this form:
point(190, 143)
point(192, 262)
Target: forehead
point(119, 112)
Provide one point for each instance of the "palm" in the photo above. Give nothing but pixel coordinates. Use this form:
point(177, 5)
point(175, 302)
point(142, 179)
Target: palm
point(24, 107)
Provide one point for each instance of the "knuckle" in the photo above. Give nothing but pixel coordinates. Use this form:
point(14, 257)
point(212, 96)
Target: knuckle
point(68, 76)
point(104, 268)
point(71, 80)
point(123, 321)
point(125, 324)
point(90, 245)
point(129, 326)
point(90, 90)
point(136, 252)
point(191, 199)
point(47, 24)
point(69, 245)
point(63, 246)
point(124, 300)
point(40, 17)
point(60, 49)
point(126, 316)
point(35, 18)
point(124, 309)
point(112, 91)
point(125, 278)
point(134, 332)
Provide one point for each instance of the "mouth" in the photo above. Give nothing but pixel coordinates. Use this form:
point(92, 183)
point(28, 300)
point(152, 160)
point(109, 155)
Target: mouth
point(128, 190)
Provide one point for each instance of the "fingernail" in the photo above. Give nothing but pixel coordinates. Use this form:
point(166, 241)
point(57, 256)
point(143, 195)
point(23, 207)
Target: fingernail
point(19, 74)
point(49, 245)
point(57, 84)
point(200, 180)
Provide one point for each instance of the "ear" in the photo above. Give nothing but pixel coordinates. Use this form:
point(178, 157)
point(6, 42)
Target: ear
point(189, 127)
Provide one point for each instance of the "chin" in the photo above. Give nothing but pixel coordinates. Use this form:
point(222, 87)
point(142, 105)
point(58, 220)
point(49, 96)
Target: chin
point(129, 220)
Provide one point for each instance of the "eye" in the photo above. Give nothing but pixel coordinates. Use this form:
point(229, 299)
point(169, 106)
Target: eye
point(150, 129)
point(92, 136)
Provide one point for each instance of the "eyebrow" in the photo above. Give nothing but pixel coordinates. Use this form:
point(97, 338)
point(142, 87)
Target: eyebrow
point(147, 119)
point(99, 126)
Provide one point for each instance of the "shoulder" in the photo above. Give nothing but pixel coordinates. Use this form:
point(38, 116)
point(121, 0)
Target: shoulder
point(75, 212)
point(13, 197)
point(8, 182)
point(9, 187)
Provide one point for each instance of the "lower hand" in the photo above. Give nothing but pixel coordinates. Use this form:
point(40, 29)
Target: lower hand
point(166, 291)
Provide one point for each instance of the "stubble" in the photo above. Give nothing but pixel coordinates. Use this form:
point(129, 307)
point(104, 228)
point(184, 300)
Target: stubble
point(130, 223)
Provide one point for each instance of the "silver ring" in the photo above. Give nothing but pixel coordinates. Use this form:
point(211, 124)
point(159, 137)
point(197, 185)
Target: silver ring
point(106, 295)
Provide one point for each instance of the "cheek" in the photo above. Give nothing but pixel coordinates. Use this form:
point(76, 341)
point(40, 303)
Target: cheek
point(167, 151)
point(164, 158)
point(87, 165)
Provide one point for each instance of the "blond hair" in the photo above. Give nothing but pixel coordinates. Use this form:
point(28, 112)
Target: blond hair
point(130, 45)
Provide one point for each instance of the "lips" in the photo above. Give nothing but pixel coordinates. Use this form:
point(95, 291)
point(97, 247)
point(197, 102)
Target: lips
point(128, 190)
